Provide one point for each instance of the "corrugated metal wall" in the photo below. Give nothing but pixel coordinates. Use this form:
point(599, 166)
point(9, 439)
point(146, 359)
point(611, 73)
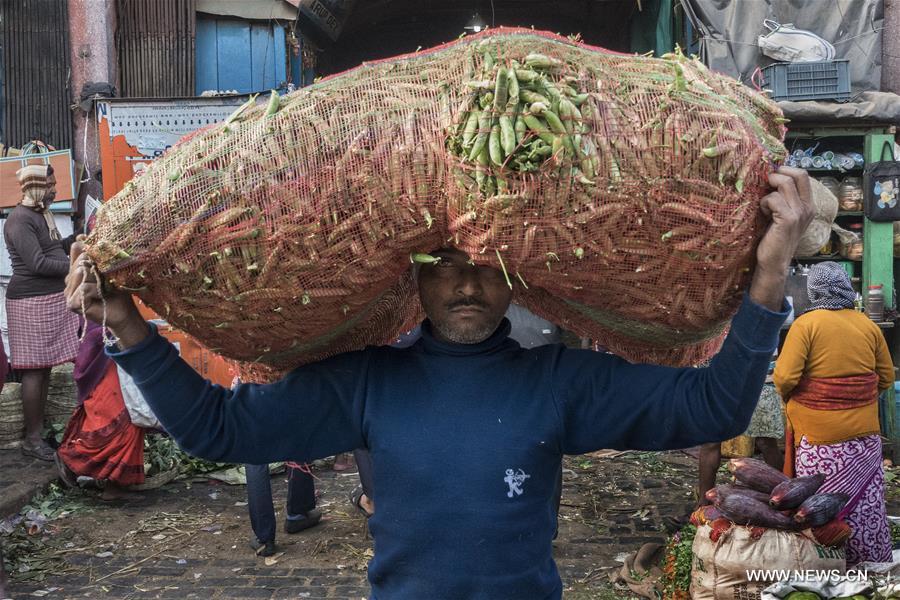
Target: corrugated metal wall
point(35, 62)
point(155, 42)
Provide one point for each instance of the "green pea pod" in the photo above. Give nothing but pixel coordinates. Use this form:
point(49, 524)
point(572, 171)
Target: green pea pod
point(494, 148)
point(471, 128)
point(486, 100)
point(501, 90)
point(567, 115)
point(512, 90)
point(422, 258)
point(579, 99)
point(274, 103)
point(540, 61)
point(540, 150)
point(556, 126)
point(520, 129)
point(530, 97)
point(490, 186)
point(539, 127)
point(680, 83)
point(576, 144)
point(481, 138)
point(507, 135)
point(576, 114)
point(481, 168)
point(552, 91)
point(553, 120)
point(526, 74)
point(557, 148)
point(587, 167)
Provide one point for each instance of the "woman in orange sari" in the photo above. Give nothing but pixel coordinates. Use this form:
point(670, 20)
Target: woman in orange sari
point(100, 440)
point(833, 365)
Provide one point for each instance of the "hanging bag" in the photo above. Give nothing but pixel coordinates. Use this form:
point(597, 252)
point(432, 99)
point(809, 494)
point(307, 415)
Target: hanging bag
point(881, 187)
point(786, 43)
point(37, 153)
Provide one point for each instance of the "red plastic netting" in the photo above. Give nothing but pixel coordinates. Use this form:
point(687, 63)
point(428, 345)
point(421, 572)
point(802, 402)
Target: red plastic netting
point(619, 194)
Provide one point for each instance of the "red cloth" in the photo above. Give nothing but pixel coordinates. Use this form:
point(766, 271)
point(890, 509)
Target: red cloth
point(828, 393)
point(100, 441)
point(836, 393)
point(43, 332)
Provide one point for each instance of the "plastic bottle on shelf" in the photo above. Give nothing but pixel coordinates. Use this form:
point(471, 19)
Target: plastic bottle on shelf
point(858, 159)
point(875, 303)
point(850, 194)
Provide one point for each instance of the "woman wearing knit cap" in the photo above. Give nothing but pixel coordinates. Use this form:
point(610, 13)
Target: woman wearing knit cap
point(42, 333)
point(834, 364)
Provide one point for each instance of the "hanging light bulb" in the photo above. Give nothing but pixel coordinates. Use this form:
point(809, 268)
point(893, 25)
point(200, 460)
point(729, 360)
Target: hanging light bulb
point(476, 23)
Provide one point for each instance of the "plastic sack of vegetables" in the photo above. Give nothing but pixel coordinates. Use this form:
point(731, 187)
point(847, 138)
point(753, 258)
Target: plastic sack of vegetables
point(618, 193)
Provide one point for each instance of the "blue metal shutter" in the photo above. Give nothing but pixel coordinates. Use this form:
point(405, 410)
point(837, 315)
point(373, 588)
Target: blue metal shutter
point(232, 54)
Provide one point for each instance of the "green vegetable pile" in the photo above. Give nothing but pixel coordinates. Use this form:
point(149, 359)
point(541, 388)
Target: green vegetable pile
point(679, 559)
point(520, 116)
point(162, 454)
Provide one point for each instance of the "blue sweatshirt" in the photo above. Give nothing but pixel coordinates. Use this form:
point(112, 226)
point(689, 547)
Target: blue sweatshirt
point(465, 440)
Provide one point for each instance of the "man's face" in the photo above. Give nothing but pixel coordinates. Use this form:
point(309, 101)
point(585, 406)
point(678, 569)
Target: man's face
point(464, 302)
point(50, 194)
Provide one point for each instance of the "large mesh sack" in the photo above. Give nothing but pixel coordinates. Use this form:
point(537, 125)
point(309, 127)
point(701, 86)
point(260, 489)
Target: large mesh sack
point(618, 193)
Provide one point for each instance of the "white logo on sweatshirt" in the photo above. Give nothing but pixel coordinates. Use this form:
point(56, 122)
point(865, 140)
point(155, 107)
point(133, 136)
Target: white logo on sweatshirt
point(515, 481)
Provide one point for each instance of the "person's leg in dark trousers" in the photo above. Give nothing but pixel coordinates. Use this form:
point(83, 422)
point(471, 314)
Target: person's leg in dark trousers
point(301, 494)
point(301, 510)
point(362, 496)
point(262, 510)
point(364, 466)
point(557, 495)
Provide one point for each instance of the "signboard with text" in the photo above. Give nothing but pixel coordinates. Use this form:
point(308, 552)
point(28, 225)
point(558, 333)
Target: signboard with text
point(133, 132)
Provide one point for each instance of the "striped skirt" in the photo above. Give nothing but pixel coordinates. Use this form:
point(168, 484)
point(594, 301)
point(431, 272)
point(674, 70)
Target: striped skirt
point(854, 468)
point(43, 333)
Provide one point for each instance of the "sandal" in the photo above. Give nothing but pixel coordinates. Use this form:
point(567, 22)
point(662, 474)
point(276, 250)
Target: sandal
point(263, 548)
point(39, 450)
point(356, 495)
point(303, 521)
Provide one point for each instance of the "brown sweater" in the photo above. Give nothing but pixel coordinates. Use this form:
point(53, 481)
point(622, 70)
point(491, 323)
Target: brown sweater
point(39, 263)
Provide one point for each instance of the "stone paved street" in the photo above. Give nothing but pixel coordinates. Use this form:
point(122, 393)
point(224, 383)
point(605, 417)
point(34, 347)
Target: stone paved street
point(190, 540)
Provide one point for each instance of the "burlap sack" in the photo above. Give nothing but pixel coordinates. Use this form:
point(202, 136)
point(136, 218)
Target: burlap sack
point(720, 569)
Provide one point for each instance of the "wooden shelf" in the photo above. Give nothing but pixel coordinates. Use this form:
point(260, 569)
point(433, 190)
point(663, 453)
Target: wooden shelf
point(838, 171)
point(835, 258)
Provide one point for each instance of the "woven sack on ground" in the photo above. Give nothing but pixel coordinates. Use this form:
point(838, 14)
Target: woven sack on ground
point(618, 193)
point(720, 566)
point(62, 397)
point(12, 420)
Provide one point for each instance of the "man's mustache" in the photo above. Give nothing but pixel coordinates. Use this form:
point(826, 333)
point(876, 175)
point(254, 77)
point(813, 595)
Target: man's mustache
point(466, 302)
